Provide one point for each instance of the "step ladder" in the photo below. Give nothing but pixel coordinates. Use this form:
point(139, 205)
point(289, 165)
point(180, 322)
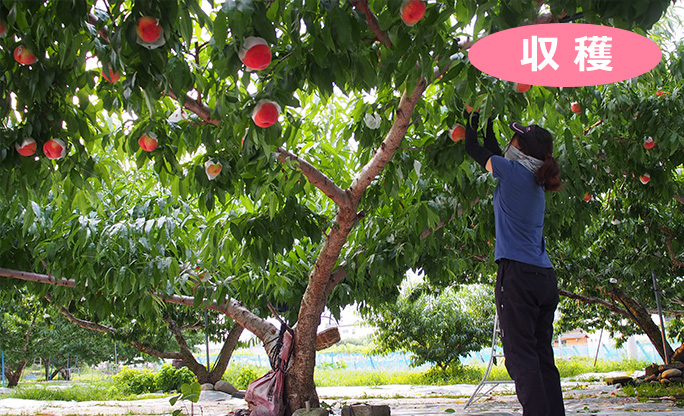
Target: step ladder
point(496, 352)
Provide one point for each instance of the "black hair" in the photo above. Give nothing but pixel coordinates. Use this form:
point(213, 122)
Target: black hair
point(548, 175)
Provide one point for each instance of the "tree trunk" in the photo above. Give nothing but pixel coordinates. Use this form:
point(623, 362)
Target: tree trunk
point(13, 377)
point(226, 353)
point(678, 355)
point(199, 370)
point(638, 314)
point(299, 382)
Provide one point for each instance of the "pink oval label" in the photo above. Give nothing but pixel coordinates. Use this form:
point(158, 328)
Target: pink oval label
point(565, 55)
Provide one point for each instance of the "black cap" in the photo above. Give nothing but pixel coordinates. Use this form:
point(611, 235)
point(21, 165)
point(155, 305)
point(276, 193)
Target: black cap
point(536, 139)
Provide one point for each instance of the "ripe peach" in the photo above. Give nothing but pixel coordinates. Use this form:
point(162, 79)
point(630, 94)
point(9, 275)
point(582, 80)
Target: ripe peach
point(113, 76)
point(645, 178)
point(148, 141)
point(3, 29)
point(266, 113)
point(212, 169)
point(587, 197)
point(24, 56)
point(148, 29)
point(457, 133)
point(54, 149)
point(27, 147)
point(575, 107)
point(649, 143)
point(521, 87)
point(412, 11)
point(255, 53)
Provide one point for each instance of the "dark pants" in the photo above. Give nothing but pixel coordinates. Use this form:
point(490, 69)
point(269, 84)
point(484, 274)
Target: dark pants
point(526, 299)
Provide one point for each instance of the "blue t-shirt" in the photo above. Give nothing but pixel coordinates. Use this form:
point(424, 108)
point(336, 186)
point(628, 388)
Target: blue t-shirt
point(518, 214)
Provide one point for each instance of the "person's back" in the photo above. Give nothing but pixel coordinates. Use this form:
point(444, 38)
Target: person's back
point(526, 286)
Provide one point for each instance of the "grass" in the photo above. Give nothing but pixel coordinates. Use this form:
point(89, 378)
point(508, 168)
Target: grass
point(647, 391)
point(470, 374)
point(88, 389)
point(81, 392)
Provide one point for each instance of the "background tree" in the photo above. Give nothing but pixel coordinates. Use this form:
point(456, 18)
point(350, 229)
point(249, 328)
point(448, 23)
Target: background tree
point(356, 183)
point(436, 328)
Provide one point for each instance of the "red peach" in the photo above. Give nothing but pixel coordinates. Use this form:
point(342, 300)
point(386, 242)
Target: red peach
point(412, 11)
point(645, 178)
point(212, 169)
point(54, 149)
point(3, 29)
point(457, 133)
point(24, 56)
point(522, 87)
point(148, 141)
point(575, 107)
point(266, 113)
point(587, 197)
point(649, 143)
point(27, 147)
point(148, 29)
point(255, 53)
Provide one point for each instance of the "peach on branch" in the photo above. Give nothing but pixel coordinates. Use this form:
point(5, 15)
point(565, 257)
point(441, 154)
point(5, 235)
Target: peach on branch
point(412, 11)
point(148, 141)
point(587, 197)
point(54, 149)
point(645, 178)
point(576, 107)
point(3, 29)
point(212, 169)
point(148, 29)
point(150, 33)
point(255, 53)
point(649, 143)
point(457, 133)
point(266, 113)
point(27, 147)
point(24, 56)
point(521, 87)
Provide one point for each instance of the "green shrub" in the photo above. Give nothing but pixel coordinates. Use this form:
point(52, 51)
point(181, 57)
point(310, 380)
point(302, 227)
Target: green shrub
point(241, 375)
point(133, 381)
point(80, 392)
point(170, 379)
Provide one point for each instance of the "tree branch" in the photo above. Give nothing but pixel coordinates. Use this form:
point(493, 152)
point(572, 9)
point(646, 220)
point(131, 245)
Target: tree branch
point(316, 177)
point(109, 330)
point(372, 21)
point(197, 107)
point(188, 358)
point(227, 351)
point(35, 277)
point(263, 329)
point(593, 301)
point(389, 146)
point(668, 243)
point(679, 198)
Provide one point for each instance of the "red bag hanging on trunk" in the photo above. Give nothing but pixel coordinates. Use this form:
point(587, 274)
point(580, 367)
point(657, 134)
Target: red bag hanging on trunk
point(266, 395)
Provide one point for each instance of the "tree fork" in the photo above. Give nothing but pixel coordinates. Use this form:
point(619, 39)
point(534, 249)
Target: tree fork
point(640, 315)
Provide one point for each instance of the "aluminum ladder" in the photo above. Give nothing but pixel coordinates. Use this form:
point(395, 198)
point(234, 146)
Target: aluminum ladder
point(496, 352)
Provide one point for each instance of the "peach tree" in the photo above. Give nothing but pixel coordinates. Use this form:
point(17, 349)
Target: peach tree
point(300, 149)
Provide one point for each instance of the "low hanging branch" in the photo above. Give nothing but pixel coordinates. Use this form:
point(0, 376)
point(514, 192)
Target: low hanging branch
point(263, 329)
point(109, 330)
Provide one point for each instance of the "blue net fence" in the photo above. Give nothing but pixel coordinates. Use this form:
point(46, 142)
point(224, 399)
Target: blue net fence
point(401, 361)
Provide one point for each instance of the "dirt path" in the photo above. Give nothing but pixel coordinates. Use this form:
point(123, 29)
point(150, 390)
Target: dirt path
point(580, 398)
